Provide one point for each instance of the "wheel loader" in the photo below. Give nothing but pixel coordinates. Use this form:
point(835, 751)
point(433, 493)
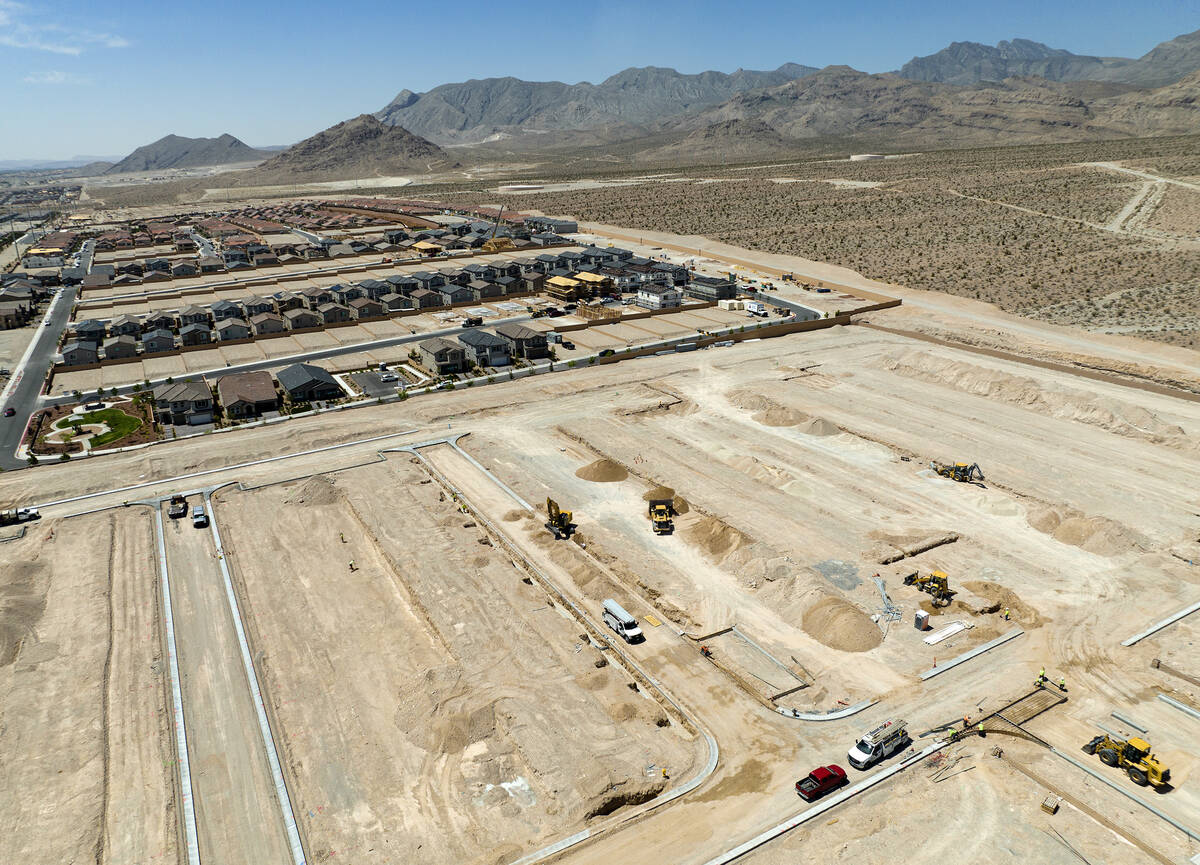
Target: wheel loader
point(961, 472)
point(1132, 755)
point(935, 583)
point(559, 522)
point(661, 511)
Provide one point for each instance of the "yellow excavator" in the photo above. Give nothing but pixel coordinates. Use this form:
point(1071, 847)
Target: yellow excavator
point(559, 522)
point(661, 511)
point(961, 472)
point(935, 583)
point(1132, 755)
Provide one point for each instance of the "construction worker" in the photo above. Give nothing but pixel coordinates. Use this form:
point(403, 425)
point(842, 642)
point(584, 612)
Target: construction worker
point(952, 733)
point(342, 535)
point(352, 567)
point(1042, 678)
point(1006, 616)
point(706, 651)
point(1062, 683)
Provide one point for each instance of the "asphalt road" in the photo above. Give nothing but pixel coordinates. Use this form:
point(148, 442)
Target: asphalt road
point(30, 377)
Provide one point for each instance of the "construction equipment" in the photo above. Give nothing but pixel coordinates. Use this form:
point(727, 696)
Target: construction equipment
point(1132, 755)
point(661, 511)
point(498, 244)
point(961, 472)
point(18, 515)
point(178, 507)
point(559, 522)
point(936, 584)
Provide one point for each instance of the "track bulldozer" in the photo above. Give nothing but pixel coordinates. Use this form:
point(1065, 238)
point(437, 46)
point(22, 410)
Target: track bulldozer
point(961, 472)
point(935, 583)
point(661, 511)
point(559, 522)
point(1132, 755)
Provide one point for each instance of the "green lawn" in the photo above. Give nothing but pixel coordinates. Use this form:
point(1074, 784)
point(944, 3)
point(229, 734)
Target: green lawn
point(119, 425)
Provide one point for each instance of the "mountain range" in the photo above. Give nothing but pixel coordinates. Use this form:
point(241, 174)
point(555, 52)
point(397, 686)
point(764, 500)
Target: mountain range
point(174, 151)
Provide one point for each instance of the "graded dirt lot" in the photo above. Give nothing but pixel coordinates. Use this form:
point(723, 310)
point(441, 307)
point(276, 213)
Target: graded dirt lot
point(429, 704)
point(85, 754)
point(432, 705)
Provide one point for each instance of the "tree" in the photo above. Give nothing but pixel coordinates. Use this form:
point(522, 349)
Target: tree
point(32, 459)
point(64, 457)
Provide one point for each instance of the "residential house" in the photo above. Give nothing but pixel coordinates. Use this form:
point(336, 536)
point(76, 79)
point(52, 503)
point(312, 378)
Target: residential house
point(158, 340)
point(710, 288)
point(255, 305)
point(395, 302)
point(155, 276)
point(267, 322)
point(365, 307)
point(343, 294)
point(90, 330)
point(78, 352)
point(159, 265)
point(96, 280)
point(193, 314)
point(481, 289)
point(247, 394)
point(374, 288)
point(210, 264)
point(523, 341)
point(442, 356)
point(184, 243)
point(265, 259)
point(304, 382)
point(509, 284)
point(429, 281)
point(225, 309)
point(120, 346)
point(184, 402)
point(655, 296)
point(423, 298)
point(483, 348)
point(131, 268)
point(402, 284)
point(314, 296)
point(125, 325)
point(453, 294)
point(285, 300)
point(533, 282)
point(232, 328)
point(159, 321)
point(183, 268)
point(195, 334)
point(333, 313)
point(300, 319)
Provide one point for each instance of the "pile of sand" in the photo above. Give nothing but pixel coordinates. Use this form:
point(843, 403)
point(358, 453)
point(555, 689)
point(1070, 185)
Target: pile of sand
point(317, 490)
point(678, 502)
point(1098, 535)
point(999, 598)
point(603, 471)
point(840, 625)
point(770, 413)
point(819, 426)
point(1114, 415)
point(715, 537)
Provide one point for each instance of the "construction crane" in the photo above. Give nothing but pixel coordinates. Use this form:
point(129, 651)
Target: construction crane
point(935, 583)
point(960, 472)
point(498, 244)
point(1132, 755)
point(559, 522)
point(661, 511)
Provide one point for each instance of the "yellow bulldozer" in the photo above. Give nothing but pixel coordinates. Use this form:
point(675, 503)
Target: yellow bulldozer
point(559, 522)
point(1132, 755)
point(961, 472)
point(661, 511)
point(935, 583)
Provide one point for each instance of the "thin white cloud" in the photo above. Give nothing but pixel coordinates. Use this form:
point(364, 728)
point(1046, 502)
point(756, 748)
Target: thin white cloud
point(17, 32)
point(56, 76)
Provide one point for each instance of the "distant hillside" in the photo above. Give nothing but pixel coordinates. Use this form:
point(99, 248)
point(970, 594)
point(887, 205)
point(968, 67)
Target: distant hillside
point(354, 149)
point(972, 62)
point(726, 140)
point(174, 151)
point(842, 102)
point(480, 110)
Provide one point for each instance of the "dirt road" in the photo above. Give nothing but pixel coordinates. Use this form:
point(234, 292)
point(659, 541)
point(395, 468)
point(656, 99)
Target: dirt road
point(237, 813)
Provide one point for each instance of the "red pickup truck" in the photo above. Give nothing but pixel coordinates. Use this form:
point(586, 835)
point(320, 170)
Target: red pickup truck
point(820, 781)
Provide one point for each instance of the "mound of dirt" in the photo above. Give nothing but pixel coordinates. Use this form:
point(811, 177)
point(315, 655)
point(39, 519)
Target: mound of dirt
point(678, 502)
point(999, 599)
point(1098, 535)
point(513, 516)
point(317, 490)
point(840, 625)
point(767, 411)
point(818, 426)
point(715, 537)
point(603, 471)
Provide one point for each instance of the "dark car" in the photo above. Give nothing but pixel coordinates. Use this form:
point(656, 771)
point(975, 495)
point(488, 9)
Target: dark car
point(9, 412)
point(820, 781)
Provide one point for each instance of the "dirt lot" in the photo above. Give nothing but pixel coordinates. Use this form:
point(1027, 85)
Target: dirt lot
point(432, 704)
point(85, 755)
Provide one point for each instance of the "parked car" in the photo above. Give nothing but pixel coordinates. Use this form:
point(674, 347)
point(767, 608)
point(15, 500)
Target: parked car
point(10, 411)
point(885, 740)
point(199, 517)
point(388, 376)
point(820, 781)
point(475, 321)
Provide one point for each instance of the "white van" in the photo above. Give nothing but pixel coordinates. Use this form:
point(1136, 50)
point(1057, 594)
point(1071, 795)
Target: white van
point(616, 617)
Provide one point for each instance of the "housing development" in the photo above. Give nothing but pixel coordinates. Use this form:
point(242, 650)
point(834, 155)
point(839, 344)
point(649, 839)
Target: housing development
point(492, 500)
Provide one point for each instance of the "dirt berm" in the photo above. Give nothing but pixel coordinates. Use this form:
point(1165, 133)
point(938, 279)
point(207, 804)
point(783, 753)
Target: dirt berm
point(602, 471)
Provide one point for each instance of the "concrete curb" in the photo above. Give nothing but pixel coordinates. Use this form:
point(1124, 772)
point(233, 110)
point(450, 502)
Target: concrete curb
point(966, 656)
point(1153, 629)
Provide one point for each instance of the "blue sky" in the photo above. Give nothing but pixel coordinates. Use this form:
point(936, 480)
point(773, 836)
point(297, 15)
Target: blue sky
point(104, 77)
